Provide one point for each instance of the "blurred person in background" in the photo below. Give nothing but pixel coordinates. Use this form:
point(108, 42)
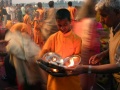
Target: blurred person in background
point(31, 11)
point(12, 9)
point(86, 27)
point(38, 38)
point(41, 11)
point(4, 19)
point(8, 11)
point(19, 13)
point(27, 20)
point(50, 14)
point(23, 51)
point(23, 10)
point(72, 11)
point(10, 74)
point(49, 25)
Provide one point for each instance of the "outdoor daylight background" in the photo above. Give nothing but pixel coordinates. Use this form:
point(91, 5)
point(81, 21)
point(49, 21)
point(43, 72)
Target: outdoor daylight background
point(31, 1)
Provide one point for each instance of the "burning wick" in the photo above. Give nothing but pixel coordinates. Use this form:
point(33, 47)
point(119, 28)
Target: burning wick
point(61, 61)
point(54, 59)
point(55, 70)
point(71, 63)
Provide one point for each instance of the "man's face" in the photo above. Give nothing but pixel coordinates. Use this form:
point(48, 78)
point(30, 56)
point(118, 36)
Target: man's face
point(109, 18)
point(64, 25)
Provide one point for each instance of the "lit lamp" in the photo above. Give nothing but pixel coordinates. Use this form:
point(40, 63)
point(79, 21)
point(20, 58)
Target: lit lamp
point(56, 62)
point(72, 61)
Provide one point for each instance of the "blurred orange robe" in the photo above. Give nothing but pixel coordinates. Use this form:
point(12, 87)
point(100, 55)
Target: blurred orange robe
point(9, 24)
point(20, 27)
point(64, 45)
point(41, 12)
point(27, 20)
point(72, 11)
point(37, 32)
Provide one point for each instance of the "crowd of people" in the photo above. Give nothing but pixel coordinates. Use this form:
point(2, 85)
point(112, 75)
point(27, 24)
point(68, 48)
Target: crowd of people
point(31, 32)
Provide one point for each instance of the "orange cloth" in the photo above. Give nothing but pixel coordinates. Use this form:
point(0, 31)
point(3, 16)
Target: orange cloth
point(27, 20)
point(9, 24)
point(20, 27)
point(64, 45)
point(37, 32)
point(41, 12)
point(72, 11)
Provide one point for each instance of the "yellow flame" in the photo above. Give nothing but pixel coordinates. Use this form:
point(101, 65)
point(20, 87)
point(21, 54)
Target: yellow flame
point(61, 61)
point(71, 63)
point(54, 59)
point(55, 70)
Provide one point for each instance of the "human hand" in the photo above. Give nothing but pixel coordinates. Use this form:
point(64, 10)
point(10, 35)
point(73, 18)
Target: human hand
point(74, 70)
point(95, 59)
point(52, 69)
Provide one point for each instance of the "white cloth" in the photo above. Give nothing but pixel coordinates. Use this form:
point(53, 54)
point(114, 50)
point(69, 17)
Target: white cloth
point(23, 10)
point(23, 52)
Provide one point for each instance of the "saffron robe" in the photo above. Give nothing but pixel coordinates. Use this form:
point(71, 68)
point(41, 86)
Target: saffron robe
point(27, 20)
point(37, 32)
point(64, 45)
point(41, 12)
point(9, 24)
point(72, 11)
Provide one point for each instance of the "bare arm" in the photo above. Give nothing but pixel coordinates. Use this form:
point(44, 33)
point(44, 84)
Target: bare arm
point(98, 57)
point(107, 68)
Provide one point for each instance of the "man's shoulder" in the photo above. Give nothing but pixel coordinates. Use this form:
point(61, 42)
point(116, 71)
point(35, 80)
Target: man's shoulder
point(77, 37)
point(54, 35)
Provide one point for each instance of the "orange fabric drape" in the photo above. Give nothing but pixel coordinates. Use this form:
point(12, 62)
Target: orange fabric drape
point(27, 20)
point(72, 11)
point(64, 45)
point(41, 12)
point(20, 27)
point(37, 32)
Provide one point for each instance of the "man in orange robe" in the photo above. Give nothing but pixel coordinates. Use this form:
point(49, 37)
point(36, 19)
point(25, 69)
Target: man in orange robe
point(37, 30)
point(65, 43)
point(49, 27)
point(27, 20)
point(72, 11)
point(41, 11)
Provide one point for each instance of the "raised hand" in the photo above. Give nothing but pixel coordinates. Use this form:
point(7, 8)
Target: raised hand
point(95, 59)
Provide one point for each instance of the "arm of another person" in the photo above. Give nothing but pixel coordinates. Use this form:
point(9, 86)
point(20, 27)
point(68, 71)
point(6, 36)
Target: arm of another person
point(107, 68)
point(98, 57)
